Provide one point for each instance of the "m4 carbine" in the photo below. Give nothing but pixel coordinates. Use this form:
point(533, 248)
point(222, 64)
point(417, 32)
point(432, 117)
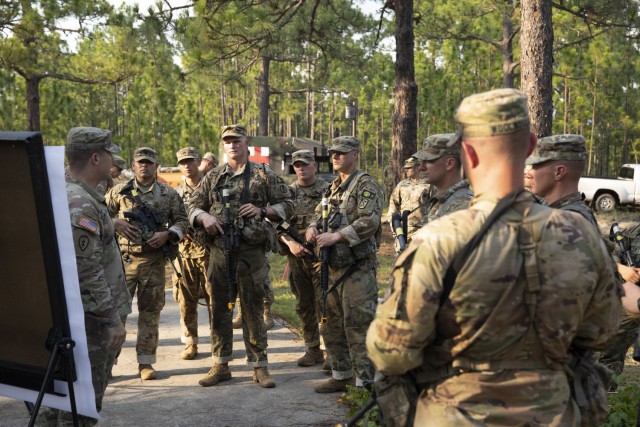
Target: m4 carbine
point(231, 240)
point(285, 227)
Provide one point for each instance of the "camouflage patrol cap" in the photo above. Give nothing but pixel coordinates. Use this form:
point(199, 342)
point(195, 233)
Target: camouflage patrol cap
point(305, 156)
point(119, 162)
point(145, 153)
point(234, 131)
point(559, 147)
point(497, 112)
point(90, 138)
point(210, 157)
point(344, 144)
point(187, 153)
point(410, 163)
point(436, 146)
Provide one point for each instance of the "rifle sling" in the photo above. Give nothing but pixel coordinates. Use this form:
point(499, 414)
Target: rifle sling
point(343, 277)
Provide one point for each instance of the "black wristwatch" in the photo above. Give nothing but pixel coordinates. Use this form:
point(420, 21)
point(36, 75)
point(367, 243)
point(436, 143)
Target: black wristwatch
point(263, 213)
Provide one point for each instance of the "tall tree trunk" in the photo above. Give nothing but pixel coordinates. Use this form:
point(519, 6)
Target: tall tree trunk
point(33, 103)
point(263, 97)
point(404, 121)
point(536, 62)
point(507, 46)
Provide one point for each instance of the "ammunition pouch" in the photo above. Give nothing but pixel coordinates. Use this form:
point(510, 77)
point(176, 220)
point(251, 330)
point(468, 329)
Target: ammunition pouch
point(340, 255)
point(256, 232)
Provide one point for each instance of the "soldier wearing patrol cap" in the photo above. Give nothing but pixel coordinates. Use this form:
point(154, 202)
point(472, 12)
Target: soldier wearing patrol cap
point(144, 250)
point(194, 259)
point(103, 289)
point(490, 349)
point(556, 167)
point(355, 210)
point(441, 167)
point(255, 194)
point(209, 161)
point(410, 195)
point(304, 269)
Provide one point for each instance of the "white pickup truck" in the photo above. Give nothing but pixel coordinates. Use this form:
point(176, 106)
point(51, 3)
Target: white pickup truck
point(605, 194)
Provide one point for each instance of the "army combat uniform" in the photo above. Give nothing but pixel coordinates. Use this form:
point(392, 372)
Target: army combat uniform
point(103, 288)
point(257, 237)
point(355, 210)
point(304, 272)
point(144, 265)
point(410, 195)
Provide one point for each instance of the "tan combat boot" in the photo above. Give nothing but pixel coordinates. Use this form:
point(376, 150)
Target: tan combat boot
point(311, 357)
point(189, 352)
point(220, 372)
point(237, 319)
point(263, 378)
point(333, 386)
point(268, 318)
point(146, 371)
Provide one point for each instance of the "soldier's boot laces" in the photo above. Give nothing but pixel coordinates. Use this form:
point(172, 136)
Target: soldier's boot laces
point(220, 372)
point(263, 378)
point(146, 371)
point(237, 319)
point(189, 352)
point(333, 386)
point(311, 357)
point(268, 318)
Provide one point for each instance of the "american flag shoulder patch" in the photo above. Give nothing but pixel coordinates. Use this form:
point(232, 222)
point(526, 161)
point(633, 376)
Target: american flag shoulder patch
point(87, 223)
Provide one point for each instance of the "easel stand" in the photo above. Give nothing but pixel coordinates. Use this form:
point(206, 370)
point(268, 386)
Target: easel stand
point(61, 349)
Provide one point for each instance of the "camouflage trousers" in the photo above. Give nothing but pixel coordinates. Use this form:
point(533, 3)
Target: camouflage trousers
point(304, 280)
point(616, 353)
point(251, 271)
point(97, 340)
point(145, 278)
point(187, 293)
point(269, 297)
point(351, 308)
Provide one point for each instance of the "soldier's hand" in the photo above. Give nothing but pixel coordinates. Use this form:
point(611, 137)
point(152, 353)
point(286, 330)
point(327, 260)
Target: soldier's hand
point(297, 249)
point(211, 224)
point(328, 239)
point(248, 210)
point(629, 274)
point(631, 298)
point(311, 234)
point(116, 336)
point(125, 229)
point(158, 239)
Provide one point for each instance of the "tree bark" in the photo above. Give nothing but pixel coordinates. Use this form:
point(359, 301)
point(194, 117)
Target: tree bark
point(536, 63)
point(404, 119)
point(507, 46)
point(263, 97)
point(33, 102)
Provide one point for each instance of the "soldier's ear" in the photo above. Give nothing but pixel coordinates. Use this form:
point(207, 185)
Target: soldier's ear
point(470, 153)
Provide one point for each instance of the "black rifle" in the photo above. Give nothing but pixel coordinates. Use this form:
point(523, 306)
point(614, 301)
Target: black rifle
point(615, 234)
point(285, 227)
point(324, 263)
point(231, 241)
point(399, 226)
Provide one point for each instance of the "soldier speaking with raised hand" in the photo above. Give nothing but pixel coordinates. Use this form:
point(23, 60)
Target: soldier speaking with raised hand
point(472, 313)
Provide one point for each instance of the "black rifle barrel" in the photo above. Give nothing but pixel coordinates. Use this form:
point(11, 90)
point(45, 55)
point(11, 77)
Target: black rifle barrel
point(324, 260)
point(228, 229)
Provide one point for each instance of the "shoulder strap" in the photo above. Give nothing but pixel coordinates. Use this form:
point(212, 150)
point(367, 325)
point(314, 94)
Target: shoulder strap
point(244, 197)
point(458, 262)
point(352, 185)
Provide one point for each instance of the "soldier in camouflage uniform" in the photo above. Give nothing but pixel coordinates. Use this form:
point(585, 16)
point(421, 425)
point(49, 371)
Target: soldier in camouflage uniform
point(555, 169)
point(410, 195)
point(441, 167)
point(355, 210)
point(304, 269)
point(194, 259)
point(256, 193)
point(145, 252)
point(209, 162)
point(102, 285)
point(491, 354)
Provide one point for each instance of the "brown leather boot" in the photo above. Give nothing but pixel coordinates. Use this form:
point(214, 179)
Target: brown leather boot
point(263, 378)
point(146, 371)
point(311, 357)
point(333, 386)
point(189, 352)
point(220, 372)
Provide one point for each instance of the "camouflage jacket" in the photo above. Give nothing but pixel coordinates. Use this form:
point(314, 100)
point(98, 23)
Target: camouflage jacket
point(452, 199)
point(305, 201)
point(573, 202)
point(410, 195)
point(189, 248)
point(485, 327)
point(159, 196)
point(103, 288)
point(360, 222)
point(265, 189)
point(631, 243)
